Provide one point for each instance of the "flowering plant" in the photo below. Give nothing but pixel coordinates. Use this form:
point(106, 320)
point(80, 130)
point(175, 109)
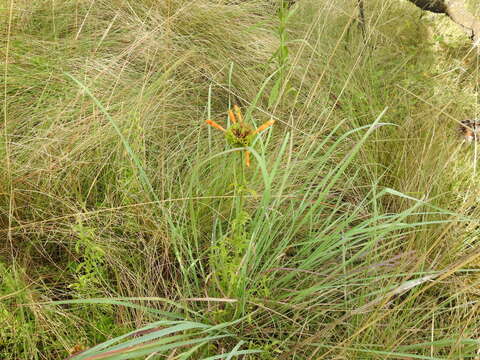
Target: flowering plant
point(240, 134)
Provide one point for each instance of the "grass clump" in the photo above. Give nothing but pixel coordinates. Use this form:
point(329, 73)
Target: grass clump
point(129, 229)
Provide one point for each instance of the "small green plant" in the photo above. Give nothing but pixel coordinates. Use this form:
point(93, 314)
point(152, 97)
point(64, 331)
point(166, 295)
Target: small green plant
point(281, 55)
point(89, 270)
point(228, 253)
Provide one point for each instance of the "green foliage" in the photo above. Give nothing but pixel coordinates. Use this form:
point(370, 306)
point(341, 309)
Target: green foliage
point(281, 55)
point(18, 324)
point(89, 272)
point(228, 253)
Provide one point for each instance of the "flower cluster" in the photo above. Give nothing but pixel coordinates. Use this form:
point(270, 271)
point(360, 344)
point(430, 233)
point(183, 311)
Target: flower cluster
point(240, 134)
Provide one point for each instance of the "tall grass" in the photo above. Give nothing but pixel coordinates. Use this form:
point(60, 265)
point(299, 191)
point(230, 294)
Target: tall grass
point(129, 229)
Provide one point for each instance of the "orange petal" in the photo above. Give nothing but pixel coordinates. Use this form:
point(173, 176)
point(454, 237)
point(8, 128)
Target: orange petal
point(264, 126)
point(247, 158)
point(232, 116)
point(238, 112)
point(215, 125)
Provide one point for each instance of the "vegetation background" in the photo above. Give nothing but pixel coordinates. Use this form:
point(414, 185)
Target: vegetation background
point(126, 220)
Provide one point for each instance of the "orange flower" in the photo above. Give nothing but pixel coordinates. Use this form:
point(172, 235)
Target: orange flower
point(264, 126)
point(247, 158)
point(231, 115)
point(215, 125)
point(240, 134)
point(238, 112)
